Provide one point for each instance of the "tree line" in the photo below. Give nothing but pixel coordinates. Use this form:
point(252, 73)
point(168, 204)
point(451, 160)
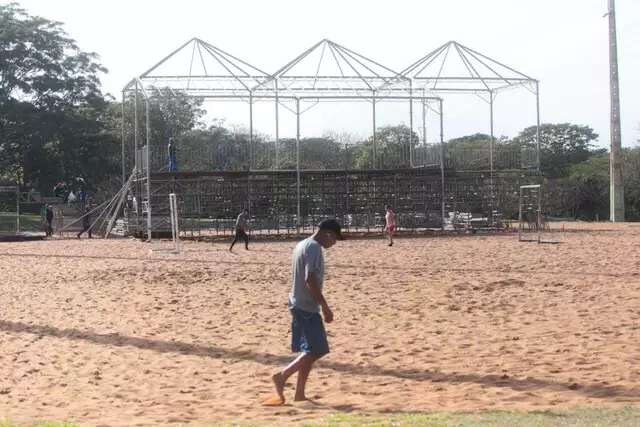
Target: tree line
point(56, 124)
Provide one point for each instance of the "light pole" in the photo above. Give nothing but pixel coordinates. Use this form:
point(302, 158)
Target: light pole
point(617, 189)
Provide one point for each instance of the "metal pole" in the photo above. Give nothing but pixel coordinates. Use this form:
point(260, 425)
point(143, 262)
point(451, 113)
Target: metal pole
point(491, 131)
point(539, 219)
point(424, 129)
point(250, 151)
point(124, 175)
point(135, 125)
point(148, 172)
point(250, 129)
point(298, 161)
point(491, 137)
point(520, 214)
point(277, 128)
point(374, 131)
point(137, 191)
point(410, 124)
point(442, 161)
point(617, 189)
point(538, 123)
point(17, 209)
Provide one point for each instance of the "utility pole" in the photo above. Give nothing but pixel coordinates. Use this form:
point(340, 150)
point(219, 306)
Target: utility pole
point(617, 189)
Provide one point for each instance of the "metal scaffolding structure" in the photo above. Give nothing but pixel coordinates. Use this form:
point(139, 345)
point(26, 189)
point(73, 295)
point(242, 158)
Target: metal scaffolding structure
point(481, 76)
point(327, 71)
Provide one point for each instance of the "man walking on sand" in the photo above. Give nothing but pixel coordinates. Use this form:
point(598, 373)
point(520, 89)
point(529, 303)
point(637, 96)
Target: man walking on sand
point(308, 335)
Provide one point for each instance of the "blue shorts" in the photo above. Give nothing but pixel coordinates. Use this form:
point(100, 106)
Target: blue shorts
point(173, 164)
point(307, 332)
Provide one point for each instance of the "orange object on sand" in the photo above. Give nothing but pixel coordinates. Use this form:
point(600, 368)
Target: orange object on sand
point(273, 401)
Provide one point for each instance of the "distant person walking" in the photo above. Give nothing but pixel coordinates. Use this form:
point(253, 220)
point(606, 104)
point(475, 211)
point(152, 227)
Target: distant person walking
point(49, 219)
point(86, 223)
point(390, 227)
point(241, 229)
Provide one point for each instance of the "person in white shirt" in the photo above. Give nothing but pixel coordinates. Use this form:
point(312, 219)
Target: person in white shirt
point(390, 219)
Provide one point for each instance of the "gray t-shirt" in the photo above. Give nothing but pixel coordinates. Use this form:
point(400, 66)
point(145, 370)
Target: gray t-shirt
point(307, 257)
point(240, 219)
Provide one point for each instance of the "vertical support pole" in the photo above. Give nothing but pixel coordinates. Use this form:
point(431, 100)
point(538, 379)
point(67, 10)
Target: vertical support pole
point(277, 161)
point(538, 122)
point(442, 163)
point(148, 171)
point(520, 214)
point(199, 208)
point(172, 219)
point(299, 221)
point(346, 185)
point(124, 175)
point(424, 129)
point(18, 210)
point(491, 139)
point(250, 151)
point(373, 103)
point(136, 126)
point(250, 130)
point(277, 127)
point(410, 124)
point(617, 189)
point(539, 211)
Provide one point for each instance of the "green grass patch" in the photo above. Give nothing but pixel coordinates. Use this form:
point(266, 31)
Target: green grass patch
point(579, 417)
point(587, 417)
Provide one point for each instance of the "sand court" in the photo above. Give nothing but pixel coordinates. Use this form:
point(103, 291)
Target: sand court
point(105, 332)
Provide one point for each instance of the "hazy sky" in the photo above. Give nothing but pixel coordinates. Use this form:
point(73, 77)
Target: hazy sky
point(563, 43)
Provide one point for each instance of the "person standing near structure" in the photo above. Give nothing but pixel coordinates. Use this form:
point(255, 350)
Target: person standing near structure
point(86, 223)
point(306, 301)
point(390, 219)
point(241, 229)
point(49, 218)
point(173, 161)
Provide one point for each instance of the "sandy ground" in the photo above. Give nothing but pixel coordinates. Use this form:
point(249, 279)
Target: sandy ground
point(105, 332)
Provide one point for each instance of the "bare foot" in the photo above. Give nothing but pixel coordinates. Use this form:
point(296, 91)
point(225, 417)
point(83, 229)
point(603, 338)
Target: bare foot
point(278, 382)
point(300, 398)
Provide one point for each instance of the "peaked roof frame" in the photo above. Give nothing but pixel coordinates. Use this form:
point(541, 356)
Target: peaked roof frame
point(482, 74)
point(357, 75)
point(486, 78)
point(236, 81)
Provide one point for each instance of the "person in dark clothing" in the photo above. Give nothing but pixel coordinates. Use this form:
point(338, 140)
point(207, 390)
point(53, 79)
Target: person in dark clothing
point(59, 191)
point(86, 224)
point(49, 218)
point(173, 161)
point(241, 230)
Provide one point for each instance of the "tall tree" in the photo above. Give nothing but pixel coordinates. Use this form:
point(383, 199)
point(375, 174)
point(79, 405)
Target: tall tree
point(392, 147)
point(631, 181)
point(50, 102)
point(561, 146)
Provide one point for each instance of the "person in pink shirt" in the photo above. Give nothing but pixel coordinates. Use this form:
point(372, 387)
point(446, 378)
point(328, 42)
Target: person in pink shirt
point(390, 219)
